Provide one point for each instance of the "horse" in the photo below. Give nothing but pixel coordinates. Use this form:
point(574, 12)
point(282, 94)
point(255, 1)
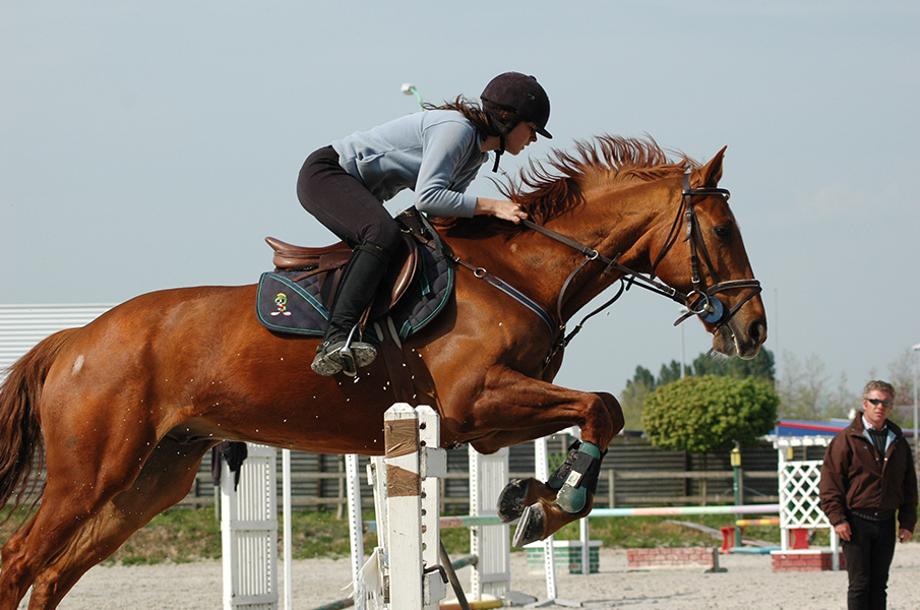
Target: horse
point(124, 408)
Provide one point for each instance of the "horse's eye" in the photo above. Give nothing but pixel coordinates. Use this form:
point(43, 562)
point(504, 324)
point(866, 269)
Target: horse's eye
point(723, 231)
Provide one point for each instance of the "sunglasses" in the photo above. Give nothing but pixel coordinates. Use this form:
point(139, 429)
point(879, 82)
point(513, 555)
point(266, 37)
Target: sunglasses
point(880, 401)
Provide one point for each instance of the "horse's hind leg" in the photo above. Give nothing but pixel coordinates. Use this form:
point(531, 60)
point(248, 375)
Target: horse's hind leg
point(90, 458)
point(165, 479)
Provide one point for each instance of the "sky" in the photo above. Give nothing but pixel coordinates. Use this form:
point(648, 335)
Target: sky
point(154, 145)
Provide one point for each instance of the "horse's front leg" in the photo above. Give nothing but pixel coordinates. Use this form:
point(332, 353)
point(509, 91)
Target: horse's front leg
point(518, 494)
point(520, 408)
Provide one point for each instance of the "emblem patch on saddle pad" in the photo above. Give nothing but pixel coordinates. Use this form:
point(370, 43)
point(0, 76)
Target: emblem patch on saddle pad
point(297, 301)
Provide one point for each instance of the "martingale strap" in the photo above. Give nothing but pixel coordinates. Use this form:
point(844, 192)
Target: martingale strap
point(493, 280)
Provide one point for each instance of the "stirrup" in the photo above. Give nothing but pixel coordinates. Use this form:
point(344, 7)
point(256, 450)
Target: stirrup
point(343, 356)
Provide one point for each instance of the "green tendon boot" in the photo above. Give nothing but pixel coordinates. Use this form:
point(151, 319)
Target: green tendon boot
point(574, 493)
point(557, 478)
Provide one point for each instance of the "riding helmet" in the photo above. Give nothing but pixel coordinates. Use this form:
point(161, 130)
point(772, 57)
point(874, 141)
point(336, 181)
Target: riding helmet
point(522, 96)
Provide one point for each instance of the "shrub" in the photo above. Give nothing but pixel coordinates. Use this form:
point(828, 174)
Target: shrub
point(702, 414)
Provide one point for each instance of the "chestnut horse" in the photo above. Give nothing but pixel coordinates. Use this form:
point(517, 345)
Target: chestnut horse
point(127, 405)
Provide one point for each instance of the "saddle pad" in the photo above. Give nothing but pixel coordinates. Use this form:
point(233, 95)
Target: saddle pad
point(288, 305)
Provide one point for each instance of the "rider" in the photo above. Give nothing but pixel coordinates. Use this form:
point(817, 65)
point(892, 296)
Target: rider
point(437, 153)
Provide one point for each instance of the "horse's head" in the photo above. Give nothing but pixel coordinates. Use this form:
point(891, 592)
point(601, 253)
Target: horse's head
point(702, 255)
point(634, 214)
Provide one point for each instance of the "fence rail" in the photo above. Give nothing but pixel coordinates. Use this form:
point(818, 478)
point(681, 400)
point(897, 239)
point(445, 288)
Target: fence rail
point(456, 497)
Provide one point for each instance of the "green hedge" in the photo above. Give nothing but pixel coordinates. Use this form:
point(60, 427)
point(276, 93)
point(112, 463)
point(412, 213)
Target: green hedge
point(701, 414)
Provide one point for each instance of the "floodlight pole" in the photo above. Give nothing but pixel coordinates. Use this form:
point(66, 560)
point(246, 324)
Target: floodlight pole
point(683, 353)
point(916, 348)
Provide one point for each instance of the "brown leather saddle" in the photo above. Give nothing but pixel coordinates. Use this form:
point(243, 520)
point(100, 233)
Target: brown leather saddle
point(331, 261)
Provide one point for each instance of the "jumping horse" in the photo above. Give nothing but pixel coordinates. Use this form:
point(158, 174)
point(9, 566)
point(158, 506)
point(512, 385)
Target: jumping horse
point(124, 408)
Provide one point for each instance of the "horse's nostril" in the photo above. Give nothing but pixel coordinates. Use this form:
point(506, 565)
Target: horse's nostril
point(757, 331)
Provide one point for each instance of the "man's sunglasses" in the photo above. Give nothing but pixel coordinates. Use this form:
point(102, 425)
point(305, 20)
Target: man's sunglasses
point(880, 401)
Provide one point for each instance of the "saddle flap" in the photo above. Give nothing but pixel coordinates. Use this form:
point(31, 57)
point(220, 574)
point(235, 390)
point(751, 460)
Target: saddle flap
point(406, 272)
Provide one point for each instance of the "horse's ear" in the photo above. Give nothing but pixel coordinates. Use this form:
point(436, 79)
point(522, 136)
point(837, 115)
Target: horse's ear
point(711, 173)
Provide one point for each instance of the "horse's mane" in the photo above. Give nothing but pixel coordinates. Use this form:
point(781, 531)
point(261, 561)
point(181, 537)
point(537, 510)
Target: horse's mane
point(546, 189)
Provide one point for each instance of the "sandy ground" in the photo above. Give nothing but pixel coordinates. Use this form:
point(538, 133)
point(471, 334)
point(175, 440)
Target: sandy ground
point(748, 583)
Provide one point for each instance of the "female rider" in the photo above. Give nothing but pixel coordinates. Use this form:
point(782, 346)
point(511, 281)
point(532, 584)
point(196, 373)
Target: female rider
point(437, 153)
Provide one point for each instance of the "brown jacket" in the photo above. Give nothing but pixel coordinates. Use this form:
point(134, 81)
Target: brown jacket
point(853, 478)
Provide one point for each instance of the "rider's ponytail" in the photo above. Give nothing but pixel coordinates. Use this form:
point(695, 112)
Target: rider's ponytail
point(473, 113)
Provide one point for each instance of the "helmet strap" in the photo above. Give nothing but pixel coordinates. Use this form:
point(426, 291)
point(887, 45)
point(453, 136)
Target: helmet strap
point(499, 152)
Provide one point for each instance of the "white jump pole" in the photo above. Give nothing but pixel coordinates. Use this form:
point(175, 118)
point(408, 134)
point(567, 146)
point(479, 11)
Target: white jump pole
point(408, 550)
point(288, 529)
point(491, 576)
point(355, 528)
point(541, 471)
point(432, 467)
point(249, 532)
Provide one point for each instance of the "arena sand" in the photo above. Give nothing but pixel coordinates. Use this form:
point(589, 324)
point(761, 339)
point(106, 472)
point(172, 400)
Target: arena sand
point(748, 584)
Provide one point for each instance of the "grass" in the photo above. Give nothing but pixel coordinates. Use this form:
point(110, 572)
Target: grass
point(184, 535)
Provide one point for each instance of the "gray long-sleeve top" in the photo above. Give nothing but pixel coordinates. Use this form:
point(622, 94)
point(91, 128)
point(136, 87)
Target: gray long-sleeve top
point(435, 153)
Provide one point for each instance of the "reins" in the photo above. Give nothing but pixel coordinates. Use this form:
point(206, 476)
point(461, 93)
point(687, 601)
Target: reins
point(701, 300)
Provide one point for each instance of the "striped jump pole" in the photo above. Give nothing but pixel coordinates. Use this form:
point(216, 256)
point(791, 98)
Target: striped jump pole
point(652, 511)
point(670, 511)
point(753, 522)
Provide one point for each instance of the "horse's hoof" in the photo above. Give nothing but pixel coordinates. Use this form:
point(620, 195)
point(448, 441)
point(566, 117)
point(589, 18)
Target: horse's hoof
point(512, 500)
point(530, 527)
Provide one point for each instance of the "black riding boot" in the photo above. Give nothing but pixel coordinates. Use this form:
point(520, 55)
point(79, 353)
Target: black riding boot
point(342, 349)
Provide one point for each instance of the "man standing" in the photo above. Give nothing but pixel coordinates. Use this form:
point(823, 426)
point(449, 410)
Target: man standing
point(868, 483)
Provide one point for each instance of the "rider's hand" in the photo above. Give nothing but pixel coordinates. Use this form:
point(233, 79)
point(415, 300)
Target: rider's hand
point(843, 530)
point(500, 208)
point(905, 535)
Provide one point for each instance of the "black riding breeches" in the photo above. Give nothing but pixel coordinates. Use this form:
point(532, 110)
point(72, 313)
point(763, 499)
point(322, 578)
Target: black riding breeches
point(344, 205)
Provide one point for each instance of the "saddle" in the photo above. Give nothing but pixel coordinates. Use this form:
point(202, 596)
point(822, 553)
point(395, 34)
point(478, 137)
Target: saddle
point(296, 296)
point(329, 262)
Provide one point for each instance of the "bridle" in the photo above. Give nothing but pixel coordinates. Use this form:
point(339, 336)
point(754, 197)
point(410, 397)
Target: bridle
point(701, 300)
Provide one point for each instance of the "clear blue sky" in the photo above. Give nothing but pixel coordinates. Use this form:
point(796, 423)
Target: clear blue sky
point(153, 145)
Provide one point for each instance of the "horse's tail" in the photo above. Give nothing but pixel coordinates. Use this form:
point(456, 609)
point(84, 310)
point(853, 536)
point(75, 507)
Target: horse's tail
point(20, 430)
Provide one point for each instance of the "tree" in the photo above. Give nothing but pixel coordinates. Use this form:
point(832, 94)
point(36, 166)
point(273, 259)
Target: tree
point(702, 414)
point(806, 393)
point(633, 397)
point(901, 375)
point(644, 377)
point(669, 373)
point(761, 366)
point(643, 382)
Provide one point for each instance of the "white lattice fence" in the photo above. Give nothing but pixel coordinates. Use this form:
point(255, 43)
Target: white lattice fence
point(798, 495)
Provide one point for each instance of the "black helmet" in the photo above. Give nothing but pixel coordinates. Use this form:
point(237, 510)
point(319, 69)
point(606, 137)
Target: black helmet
point(522, 96)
